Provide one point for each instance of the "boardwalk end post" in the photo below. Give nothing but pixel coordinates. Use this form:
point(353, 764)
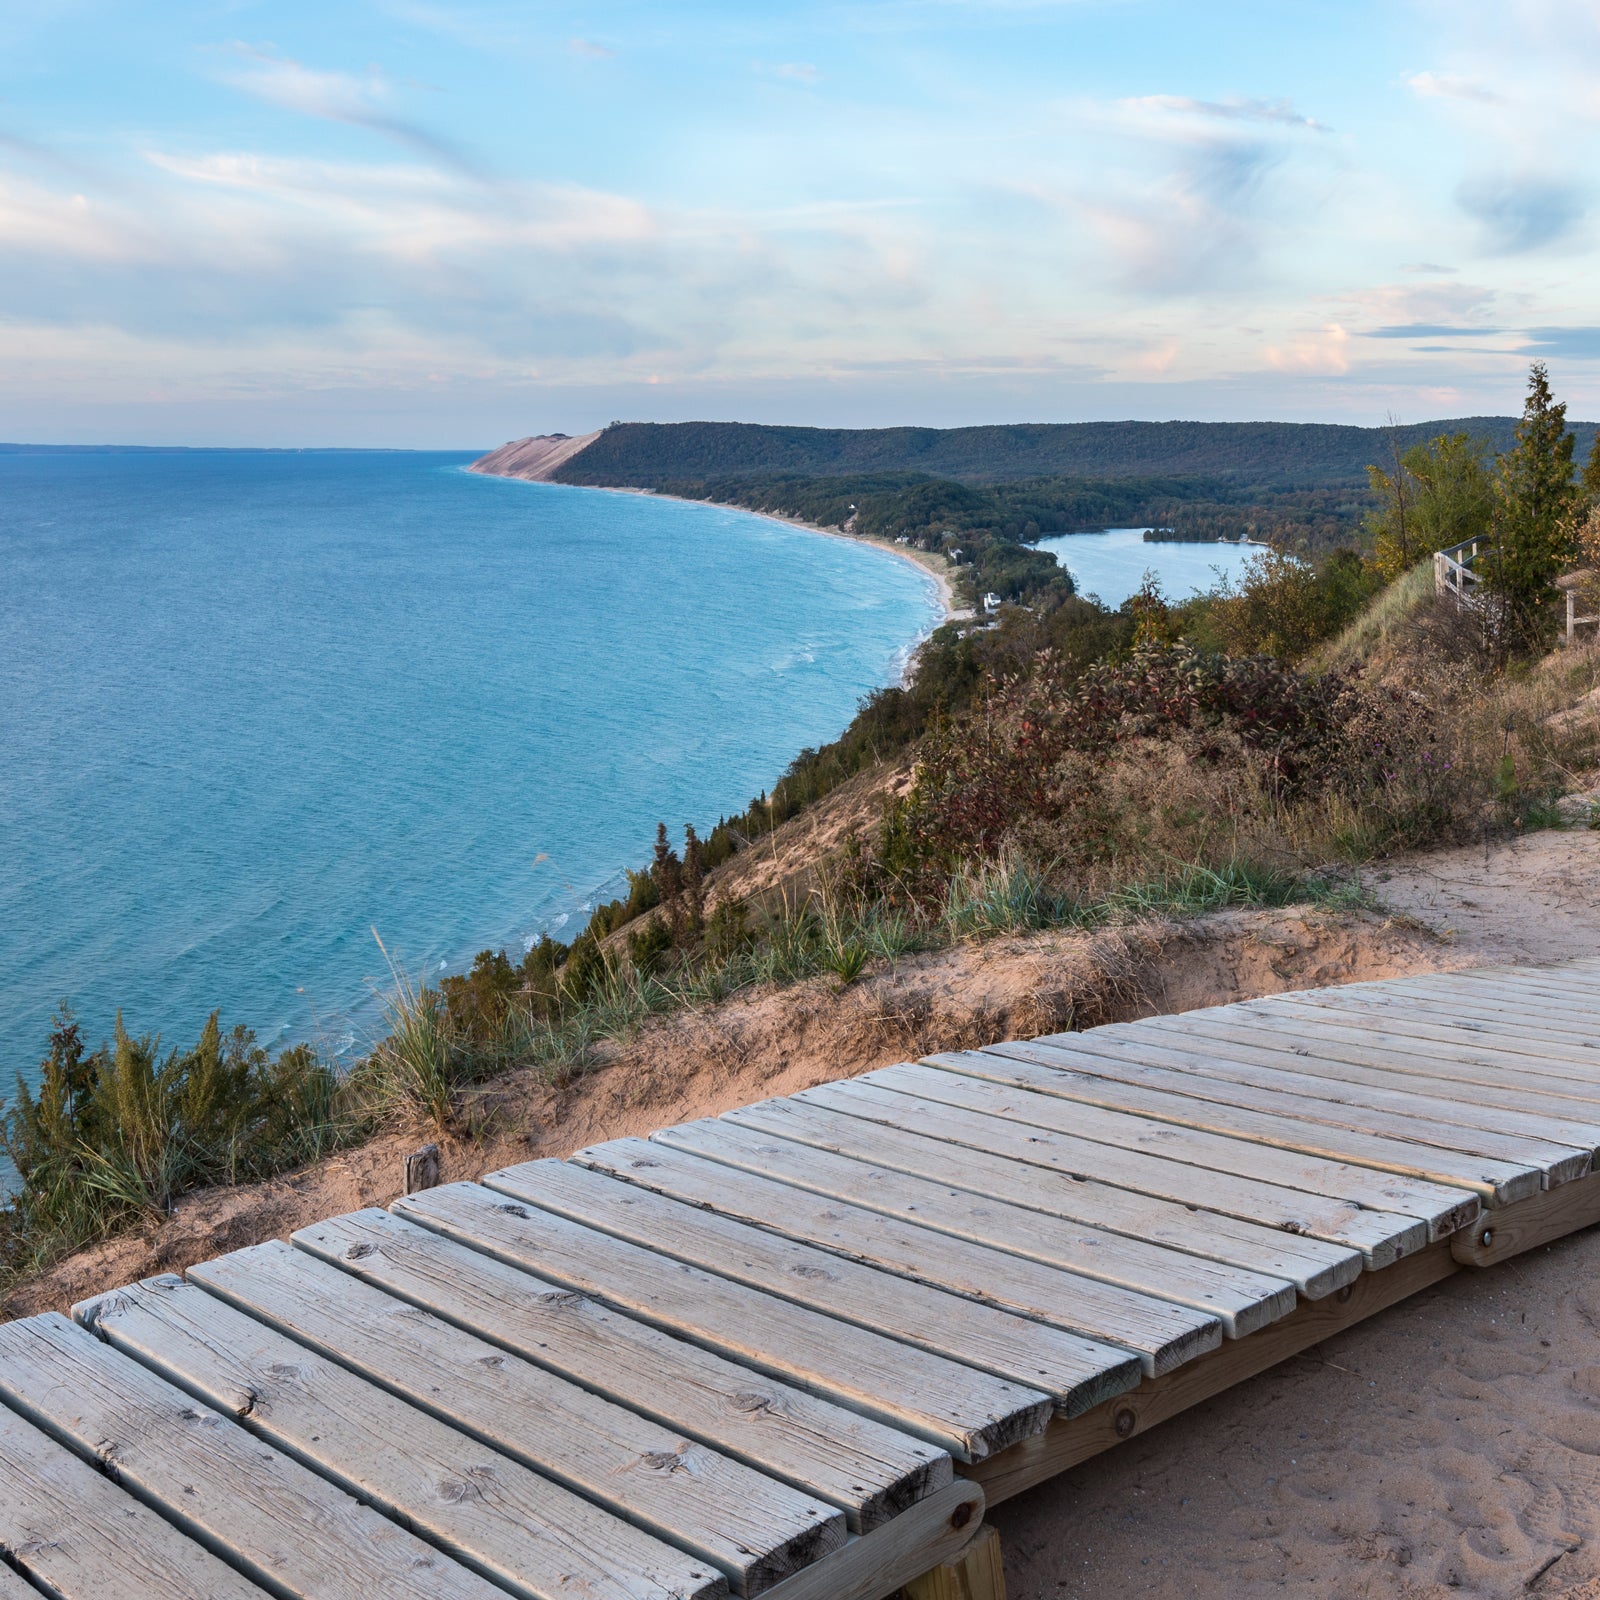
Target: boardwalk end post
point(977, 1573)
point(422, 1169)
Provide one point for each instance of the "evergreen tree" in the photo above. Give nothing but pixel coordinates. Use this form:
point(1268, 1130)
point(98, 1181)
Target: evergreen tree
point(1591, 472)
point(1534, 524)
point(667, 871)
point(694, 872)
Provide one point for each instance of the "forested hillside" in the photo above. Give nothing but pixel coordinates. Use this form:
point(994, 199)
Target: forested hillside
point(1299, 455)
point(937, 513)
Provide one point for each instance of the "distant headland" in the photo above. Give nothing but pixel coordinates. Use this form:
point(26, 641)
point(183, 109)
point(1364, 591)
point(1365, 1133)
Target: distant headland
point(1302, 455)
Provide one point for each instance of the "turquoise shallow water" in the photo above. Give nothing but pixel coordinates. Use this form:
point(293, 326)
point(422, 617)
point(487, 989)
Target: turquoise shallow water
point(253, 705)
point(1111, 565)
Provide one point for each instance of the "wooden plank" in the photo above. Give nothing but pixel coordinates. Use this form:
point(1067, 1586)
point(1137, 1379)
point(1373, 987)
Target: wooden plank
point(1075, 1372)
point(528, 1535)
point(1162, 1333)
point(1098, 1072)
point(870, 1471)
point(977, 1573)
point(80, 1536)
point(1535, 1222)
point(967, 1412)
point(861, 1198)
point(881, 1562)
point(275, 1520)
point(14, 1588)
point(785, 1137)
point(1542, 1017)
point(747, 1525)
point(1574, 982)
point(1372, 1048)
point(1443, 1208)
point(1381, 1236)
point(1562, 1015)
point(1070, 1442)
point(1431, 1038)
point(1527, 1022)
point(1486, 1102)
point(1168, 1097)
point(1566, 991)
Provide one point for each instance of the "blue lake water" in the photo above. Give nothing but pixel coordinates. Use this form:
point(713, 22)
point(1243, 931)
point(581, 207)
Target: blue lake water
point(1111, 565)
point(254, 705)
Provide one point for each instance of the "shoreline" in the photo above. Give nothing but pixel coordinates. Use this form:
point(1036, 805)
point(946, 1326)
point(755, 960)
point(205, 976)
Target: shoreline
point(930, 565)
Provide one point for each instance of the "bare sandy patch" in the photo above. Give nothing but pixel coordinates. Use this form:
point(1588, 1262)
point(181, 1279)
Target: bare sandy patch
point(1507, 899)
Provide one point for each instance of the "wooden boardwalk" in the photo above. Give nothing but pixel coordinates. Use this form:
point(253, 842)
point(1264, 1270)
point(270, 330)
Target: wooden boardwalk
point(794, 1351)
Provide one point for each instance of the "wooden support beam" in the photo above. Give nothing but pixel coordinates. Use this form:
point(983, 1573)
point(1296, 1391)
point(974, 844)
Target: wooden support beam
point(893, 1554)
point(1069, 1441)
point(1547, 1216)
point(977, 1573)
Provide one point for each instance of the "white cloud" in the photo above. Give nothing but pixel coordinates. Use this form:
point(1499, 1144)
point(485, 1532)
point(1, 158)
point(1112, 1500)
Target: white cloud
point(1450, 86)
point(1232, 110)
point(359, 102)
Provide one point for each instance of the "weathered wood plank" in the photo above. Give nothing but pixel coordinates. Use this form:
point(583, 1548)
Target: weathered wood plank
point(967, 1412)
point(1573, 982)
point(1161, 1333)
point(1560, 1019)
point(1407, 1032)
point(1098, 1072)
point(1566, 992)
point(880, 1562)
point(1381, 1236)
point(783, 1139)
point(1443, 1208)
point(527, 1534)
point(1165, 1097)
point(1528, 1021)
point(1296, 1072)
point(80, 1536)
point(1368, 1047)
point(14, 1588)
point(1071, 1441)
point(871, 1471)
point(750, 1527)
point(1075, 1372)
point(278, 1522)
point(862, 1197)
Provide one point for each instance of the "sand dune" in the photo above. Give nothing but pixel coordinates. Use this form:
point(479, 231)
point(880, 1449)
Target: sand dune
point(535, 458)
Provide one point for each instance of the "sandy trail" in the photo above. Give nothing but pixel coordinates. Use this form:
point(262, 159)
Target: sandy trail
point(1520, 899)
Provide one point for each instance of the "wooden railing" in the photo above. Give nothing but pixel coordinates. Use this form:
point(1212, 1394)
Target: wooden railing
point(1587, 586)
point(1453, 574)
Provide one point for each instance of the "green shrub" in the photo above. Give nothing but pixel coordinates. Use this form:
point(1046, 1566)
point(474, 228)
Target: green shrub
point(121, 1132)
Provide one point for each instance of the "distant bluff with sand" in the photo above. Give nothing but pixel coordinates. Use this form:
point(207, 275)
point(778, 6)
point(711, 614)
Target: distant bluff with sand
point(535, 458)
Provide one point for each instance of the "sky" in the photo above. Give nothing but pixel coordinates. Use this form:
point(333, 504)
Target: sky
point(446, 223)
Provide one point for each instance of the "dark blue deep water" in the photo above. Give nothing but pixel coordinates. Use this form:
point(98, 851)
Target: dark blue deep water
point(255, 705)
